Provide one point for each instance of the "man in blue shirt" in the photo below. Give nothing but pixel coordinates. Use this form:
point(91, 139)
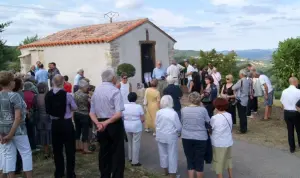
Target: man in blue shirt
point(41, 75)
point(159, 74)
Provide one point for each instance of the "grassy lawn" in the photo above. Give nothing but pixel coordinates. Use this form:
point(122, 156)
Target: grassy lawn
point(86, 167)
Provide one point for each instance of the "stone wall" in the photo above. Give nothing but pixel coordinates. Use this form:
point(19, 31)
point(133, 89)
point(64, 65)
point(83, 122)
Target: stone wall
point(114, 54)
point(171, 52)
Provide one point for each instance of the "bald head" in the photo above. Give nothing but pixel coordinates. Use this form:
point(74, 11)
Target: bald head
point(293, 81)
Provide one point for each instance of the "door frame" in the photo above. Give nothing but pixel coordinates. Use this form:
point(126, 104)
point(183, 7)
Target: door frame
point(153, 54)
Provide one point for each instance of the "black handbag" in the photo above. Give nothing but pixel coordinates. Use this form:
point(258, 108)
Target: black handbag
point(208, 156)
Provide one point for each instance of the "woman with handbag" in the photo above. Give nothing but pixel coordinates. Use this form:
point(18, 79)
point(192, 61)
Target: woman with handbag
point(210, 93)
point(228, 94)
point(221, 138)
point(194, 135)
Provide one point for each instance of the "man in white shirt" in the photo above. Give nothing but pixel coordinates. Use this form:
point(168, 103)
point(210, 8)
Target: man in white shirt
point(289, 99)
point(189, 72)
point(268, 93)
point(174, 71)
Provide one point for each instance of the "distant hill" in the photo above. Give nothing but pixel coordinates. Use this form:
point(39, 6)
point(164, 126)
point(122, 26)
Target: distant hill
point(252, 54)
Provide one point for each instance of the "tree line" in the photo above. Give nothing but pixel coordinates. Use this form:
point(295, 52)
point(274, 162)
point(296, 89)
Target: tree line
point(9, 54)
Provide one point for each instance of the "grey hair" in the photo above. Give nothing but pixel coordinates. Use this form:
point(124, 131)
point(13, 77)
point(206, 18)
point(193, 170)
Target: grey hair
point(166, 102)
point(83, 84)
point(171, 80)
point(158, 61)
point(174, 61)
point(195, 98)
point(29, 78)
point(108, 75)
point(80, 70)
point(243, 72)
point(58, 81)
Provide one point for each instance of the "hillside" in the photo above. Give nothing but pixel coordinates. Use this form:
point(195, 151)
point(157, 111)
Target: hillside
point(252, 54)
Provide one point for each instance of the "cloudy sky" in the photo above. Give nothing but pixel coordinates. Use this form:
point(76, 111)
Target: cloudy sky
point(195, 24)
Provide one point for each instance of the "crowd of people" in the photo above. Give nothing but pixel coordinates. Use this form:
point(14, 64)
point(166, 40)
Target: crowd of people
point(35, 114)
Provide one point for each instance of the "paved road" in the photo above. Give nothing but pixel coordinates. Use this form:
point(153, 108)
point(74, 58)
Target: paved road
point(249, 160)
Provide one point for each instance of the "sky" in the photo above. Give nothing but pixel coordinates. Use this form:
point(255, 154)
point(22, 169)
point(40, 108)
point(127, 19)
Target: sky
point(195, 24)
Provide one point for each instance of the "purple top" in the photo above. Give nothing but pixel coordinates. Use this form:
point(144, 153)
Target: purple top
point(71, 105)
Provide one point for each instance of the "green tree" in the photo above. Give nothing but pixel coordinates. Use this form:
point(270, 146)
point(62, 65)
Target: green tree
point(286, 61)
point(3, 48)
point(225, 63)
point(29, 40)
point(127, 68)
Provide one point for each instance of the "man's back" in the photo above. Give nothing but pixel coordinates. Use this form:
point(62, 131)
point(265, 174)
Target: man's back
point(173, 71)
point(265, 80)
point(290, 97)
point(106, 100)
point(41, 76)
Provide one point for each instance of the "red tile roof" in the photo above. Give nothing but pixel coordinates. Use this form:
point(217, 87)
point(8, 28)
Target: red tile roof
point(101, 33)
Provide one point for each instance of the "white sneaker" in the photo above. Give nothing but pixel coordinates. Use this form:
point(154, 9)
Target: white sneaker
point(250, 117)
point(147, 130)
point(154, 134)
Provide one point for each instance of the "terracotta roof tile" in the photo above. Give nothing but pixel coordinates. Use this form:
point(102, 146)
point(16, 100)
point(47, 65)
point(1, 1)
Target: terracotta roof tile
point(101, 33)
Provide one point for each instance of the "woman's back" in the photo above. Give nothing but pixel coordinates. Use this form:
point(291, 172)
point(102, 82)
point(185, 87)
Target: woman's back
point(9, 101)
point(222, 130)
point(43, 120)
point(197, 86)
point(193, 123)
point(152, 95)
point(167, 125)
point(41, 104)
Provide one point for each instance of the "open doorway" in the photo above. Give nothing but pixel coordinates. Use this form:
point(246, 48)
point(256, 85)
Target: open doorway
point(148, 61)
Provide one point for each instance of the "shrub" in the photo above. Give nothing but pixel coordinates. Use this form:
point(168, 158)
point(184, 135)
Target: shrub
point(277, 94)
point(127, 68)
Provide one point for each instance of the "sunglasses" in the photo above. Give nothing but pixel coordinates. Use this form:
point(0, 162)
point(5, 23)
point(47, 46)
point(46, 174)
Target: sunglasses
point(125, 78)
point(227, 79)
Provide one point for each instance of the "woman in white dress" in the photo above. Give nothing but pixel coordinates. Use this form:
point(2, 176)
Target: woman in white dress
point(125, 87)
point(168, 127)
point(133, 118)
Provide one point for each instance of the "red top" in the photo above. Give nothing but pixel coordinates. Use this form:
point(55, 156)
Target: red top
point(68, 87)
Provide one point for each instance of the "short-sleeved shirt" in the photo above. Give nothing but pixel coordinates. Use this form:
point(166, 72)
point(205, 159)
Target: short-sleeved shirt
point(189, 70)
point(265, 80)
point(41, 76)
point(242, 88)
point(132, 117)
point(290, 97)
point(221, 130)
point(68, 87)
point(158, 73)
point(82, 102)
point(106, 101)
point(193, 123)
point(9, 102)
